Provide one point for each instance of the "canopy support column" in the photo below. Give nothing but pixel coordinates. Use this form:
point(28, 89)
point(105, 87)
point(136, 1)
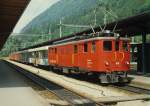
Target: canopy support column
point(143, 53)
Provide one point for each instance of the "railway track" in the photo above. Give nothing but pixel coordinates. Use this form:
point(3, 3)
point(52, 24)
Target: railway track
point(133, 89)
point(72, 98)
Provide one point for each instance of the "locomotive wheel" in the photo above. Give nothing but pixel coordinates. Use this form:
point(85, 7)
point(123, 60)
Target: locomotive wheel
point(104, 79)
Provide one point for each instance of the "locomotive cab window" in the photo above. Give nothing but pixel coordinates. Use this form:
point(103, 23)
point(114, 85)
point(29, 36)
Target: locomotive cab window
point(93, 46)
point(107, 45)
point(125, 45)
point(85, 47)
point(75, 49)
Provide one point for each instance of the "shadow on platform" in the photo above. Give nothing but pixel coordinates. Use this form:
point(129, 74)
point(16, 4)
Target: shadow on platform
point(10, 78)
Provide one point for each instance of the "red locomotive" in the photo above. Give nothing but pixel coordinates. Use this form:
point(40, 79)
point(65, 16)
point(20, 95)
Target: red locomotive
point(104, 54)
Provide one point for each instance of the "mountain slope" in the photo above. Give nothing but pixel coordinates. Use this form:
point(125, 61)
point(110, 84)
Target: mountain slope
point(82, 12)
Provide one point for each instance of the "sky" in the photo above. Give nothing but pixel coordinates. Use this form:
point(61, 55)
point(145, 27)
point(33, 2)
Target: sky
point(34, 8)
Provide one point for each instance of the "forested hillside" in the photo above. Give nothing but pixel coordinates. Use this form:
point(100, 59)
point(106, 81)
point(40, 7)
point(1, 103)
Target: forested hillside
point(77, 12)
point(81, 12)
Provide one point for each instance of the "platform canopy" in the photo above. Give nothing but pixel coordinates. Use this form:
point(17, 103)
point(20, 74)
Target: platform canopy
point(132, 26)
point(10, 12)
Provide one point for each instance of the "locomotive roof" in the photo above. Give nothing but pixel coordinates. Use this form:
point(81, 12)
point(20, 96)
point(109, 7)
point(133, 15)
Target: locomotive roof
point(86, 40)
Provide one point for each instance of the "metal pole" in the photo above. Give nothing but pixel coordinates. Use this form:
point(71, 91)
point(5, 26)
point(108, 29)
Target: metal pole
point(143, 53)
point(105, 19)
point(49, 33)
point(95, 17)
point(60, 28)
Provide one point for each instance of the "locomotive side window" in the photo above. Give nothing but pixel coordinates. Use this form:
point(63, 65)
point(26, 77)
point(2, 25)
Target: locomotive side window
point(55, 50)
point(52, 50)
point(117, 45)
point(93, 46)
point(107, 45)
point(85, 47)
point(75, 49)
point(125, 45)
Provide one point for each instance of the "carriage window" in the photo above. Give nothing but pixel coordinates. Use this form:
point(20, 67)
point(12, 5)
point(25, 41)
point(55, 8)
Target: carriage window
point(40, 54)
point(117, 45)
point(125, 45)
point(75, 49)
point(45, 54)
point(85, 47)
point(107, 45)
point(93, 46)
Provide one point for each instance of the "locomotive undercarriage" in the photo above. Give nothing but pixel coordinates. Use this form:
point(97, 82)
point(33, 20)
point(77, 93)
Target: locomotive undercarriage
point(113, 77)
point(105, 78)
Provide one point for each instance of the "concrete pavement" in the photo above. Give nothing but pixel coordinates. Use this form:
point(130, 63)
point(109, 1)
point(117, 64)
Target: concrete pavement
point(14, 91)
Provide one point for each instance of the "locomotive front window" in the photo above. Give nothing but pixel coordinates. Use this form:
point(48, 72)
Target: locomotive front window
point(117, 45)
point(125, 45)
point(85, 47)
point(107, 45)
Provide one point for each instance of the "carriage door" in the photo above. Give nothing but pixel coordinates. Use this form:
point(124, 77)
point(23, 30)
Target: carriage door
point(75, 56)
point(36, 58)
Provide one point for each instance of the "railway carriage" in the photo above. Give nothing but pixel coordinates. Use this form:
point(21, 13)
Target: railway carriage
point(15, 56)
point(39, 56)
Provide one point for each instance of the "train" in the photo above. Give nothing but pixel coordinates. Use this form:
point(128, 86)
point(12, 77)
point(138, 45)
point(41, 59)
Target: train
point(105, 54)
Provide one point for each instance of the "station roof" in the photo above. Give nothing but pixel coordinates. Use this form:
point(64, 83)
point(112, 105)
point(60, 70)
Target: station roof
point(10, 12)
point(132, 26)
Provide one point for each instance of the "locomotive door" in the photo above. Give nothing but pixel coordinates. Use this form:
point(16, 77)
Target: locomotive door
point(115, 53)
point(118, 55)
point(75, 56)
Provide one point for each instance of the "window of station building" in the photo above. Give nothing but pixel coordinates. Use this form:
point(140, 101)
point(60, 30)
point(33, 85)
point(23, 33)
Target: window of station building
point(85, 47)
point(93, 46)
point(125, 45)
point(107, 45)
point(75, 49)
point(117, 45)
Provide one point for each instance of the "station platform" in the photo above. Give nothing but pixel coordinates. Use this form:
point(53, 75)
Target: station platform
point(140, 81)
point(14, 91)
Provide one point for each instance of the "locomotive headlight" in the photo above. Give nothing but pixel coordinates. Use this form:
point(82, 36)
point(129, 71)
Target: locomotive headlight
point(127, 63)
point(117, 63)
point(106, 63)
